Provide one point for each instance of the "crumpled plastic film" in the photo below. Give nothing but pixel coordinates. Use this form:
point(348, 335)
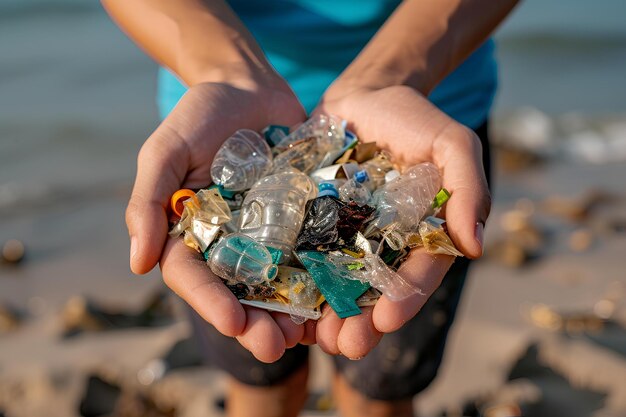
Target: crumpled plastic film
point(303, 294)
point(371, 269)
point(327, 131)
point(201, 219)
point(435, 239)
point(406, 199)
point(297, 291)
point(330, 223)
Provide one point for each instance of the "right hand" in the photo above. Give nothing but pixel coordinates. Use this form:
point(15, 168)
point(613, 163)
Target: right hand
point(179, 155)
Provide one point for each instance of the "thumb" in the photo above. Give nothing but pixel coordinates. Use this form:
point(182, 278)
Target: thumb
point(468, 208)
point(161, 167)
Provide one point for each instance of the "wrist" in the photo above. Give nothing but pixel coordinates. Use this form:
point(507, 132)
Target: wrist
point(366, 77)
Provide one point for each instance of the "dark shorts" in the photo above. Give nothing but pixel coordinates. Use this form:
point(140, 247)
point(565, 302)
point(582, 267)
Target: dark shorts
point(403, 364)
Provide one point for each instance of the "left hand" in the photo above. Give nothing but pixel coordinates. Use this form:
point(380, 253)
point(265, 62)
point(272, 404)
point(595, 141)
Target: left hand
point(412, 130)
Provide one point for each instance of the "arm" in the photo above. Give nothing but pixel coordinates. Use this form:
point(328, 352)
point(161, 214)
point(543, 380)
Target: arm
point(382, 94)
point(198, 40)
point(231, 86)
point(422, 42)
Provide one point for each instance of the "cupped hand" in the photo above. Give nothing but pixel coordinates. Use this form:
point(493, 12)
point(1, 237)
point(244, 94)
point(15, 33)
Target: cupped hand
point(179, 155)
point(412, 130)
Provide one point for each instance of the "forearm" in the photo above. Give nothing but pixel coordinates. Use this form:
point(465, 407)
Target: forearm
point(198, 40)
point(422, 42)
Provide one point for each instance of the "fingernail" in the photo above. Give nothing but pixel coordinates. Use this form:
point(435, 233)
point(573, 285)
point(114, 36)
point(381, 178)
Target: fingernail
point(133, 247)
point(480, 233)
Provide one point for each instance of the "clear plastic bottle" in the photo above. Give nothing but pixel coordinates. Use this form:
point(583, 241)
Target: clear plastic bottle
point(407, 198)
point(239, 258)
point(242, 160)
point(376, 169)
point(356, 189)
point(273, 210)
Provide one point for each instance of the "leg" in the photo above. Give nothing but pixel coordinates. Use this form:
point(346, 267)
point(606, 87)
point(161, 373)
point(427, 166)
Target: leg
point(284, 399)
point(255, 389)
point(404, 363)
point(352, 403)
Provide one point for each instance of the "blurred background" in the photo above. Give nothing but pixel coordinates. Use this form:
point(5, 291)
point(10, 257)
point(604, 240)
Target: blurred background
point(540, 330)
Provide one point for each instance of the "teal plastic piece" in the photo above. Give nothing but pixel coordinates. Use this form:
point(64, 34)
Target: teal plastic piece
point(335, 285)
point(277, 254)
point(224, 193)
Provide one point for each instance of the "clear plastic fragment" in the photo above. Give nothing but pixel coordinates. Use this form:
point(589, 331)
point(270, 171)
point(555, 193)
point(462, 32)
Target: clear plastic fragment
point(435, 239)
point(201, 219)
point(315, 144)
point(308, 314)
point(375, 272)
point(406, 199)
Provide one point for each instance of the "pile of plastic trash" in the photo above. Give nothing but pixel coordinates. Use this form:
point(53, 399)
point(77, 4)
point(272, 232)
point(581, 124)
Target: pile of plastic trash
point(296, 219)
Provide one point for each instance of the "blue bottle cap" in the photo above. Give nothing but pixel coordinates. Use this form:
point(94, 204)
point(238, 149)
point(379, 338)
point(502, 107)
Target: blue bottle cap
point(361, 176)
point(327, 188)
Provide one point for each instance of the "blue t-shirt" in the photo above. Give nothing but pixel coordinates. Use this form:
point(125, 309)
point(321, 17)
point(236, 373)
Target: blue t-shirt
point(310, 42)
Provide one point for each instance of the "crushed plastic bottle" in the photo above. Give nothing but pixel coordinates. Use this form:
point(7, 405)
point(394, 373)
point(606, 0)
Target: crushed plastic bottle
point(403, 201)
point(274, 208)
point(243, 159)
point(356, 189)
point(237, 258)
point(376, 169)
point(202, 217)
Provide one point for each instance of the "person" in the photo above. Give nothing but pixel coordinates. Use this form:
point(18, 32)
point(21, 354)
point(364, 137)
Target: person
point(414, 76)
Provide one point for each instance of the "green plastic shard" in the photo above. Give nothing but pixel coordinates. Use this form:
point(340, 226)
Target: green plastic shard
point(440, 199)
point(339, 290)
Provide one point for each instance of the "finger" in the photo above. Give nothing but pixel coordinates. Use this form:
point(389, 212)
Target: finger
point(186, 273)
point(161, 167)
point(328, 328)
point(421, 269)
point(310, 328)
point(262, 336)
point(358, 336)
point(463, 175)
point(292, 332)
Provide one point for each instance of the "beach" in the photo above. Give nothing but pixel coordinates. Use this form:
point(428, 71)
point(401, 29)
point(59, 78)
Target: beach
point(541, 326)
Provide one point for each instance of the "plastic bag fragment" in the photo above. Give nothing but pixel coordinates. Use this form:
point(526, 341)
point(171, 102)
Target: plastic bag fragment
point(331, 224)
point(299, 292)
point(201, 219)
point(435, 239)
point(406, 199)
